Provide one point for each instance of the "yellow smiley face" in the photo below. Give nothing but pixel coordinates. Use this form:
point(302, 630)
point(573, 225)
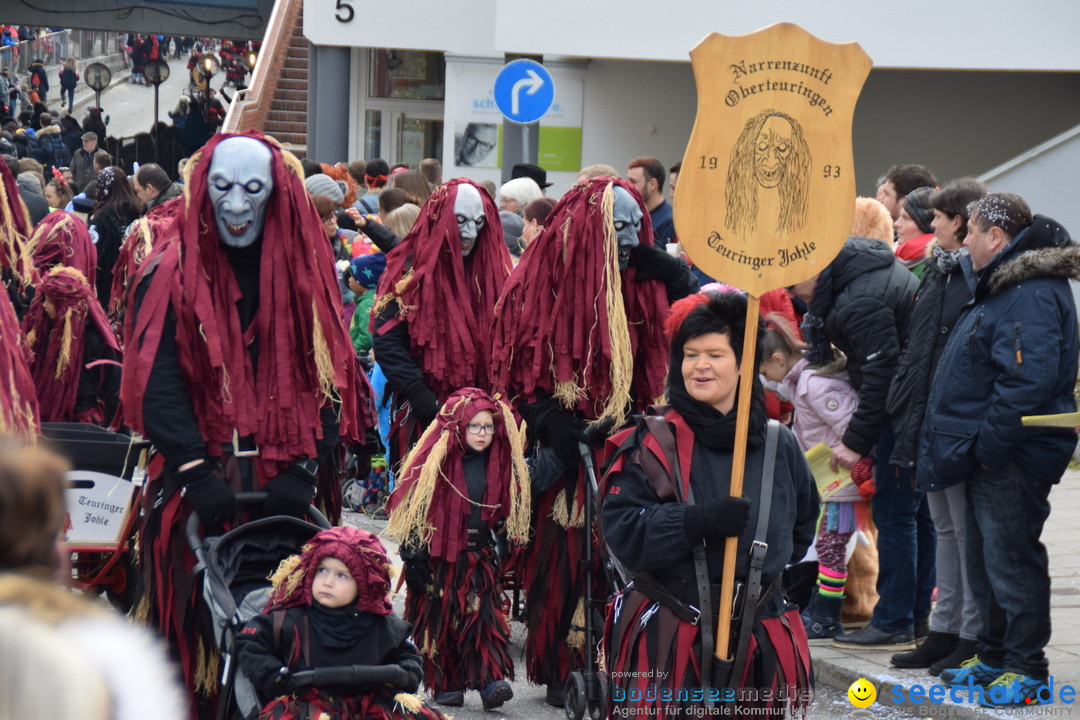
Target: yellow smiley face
point(862, 693)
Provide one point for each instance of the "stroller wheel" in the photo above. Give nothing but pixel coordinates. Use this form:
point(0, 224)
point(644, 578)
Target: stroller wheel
point(576, 701)
point(121, 593)
point(598, 698)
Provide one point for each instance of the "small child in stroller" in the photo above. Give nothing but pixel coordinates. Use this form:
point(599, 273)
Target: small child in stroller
point(329, 608)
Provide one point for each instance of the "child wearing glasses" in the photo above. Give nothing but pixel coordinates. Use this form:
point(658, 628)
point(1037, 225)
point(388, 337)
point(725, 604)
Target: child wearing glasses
point(463, 483)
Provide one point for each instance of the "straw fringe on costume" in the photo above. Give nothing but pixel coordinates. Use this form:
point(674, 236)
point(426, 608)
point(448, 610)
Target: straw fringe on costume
point(18, 397)
point(459, 623)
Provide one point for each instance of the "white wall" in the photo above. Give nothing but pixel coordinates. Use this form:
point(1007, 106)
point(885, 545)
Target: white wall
point(960, 34)
point(1047, 178)
point(637, 108)
point(957, 34)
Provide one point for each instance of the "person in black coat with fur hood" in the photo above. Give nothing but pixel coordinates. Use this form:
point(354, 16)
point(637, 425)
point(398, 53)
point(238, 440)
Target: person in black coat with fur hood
point(862, 303)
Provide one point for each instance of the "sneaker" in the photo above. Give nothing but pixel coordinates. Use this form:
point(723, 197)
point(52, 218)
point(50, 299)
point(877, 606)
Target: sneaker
point(1020, 691)
point(974, 669)
point(871, 638)
point(450, 698)
point(556, 694)
point(495, 694)
point(819, 632)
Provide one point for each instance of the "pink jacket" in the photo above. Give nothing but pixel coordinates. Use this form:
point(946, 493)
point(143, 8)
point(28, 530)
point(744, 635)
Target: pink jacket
point(824, 405)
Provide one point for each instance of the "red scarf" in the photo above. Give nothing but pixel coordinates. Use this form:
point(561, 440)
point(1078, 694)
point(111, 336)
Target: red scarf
point(18, 399)
point(553, 323)
point(433, 477)
point(306, 359)
point(448, 300)
point(61, 239)
point(58, 343)
point(360, 551)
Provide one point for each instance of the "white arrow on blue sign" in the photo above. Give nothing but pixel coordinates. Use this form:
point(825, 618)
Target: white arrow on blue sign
point(524, 91)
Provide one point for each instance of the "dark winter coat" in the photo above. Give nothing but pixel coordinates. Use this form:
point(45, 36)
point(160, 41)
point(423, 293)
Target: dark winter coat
point(69, 79)
point(261, 657)
point(648, 533)
point(865, 297)
point(1013, 353)
point(49, 148)
point(938, 304)
point(82, 168)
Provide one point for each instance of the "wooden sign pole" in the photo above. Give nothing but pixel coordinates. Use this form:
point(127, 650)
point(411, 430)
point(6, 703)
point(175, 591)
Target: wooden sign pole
point(767, 187)
point(738, 470)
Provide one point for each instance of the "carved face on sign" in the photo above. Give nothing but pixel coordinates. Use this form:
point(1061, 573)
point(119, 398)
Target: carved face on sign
point(772, 151)
point(771, 154)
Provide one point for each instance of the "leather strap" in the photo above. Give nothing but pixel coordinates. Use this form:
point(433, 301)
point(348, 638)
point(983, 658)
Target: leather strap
point(758, 550)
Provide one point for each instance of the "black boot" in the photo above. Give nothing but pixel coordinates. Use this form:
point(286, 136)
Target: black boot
point(964, 650)
point(935, 647)
point(822, 618)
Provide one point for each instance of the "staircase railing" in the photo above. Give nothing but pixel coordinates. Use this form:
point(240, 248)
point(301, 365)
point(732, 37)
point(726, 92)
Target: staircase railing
point(250, 108)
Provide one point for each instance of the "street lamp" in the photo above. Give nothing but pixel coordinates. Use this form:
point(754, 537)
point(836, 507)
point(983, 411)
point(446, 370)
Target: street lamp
point(156, 72)
point(205, 67)
point(97, 76)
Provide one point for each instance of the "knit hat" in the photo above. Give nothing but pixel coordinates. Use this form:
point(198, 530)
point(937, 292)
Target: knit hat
point(367, 269)
point(918, 207)
point(360, 551)
point(513, 228)
point(322, 184)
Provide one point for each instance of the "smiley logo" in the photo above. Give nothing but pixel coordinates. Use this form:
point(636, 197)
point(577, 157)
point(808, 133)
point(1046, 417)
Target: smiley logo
point(862, 693)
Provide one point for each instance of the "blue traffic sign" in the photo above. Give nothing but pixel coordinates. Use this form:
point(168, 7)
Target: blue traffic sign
point(524, 91)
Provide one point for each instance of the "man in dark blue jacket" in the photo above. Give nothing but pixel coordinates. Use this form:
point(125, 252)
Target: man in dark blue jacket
point(1014, 353)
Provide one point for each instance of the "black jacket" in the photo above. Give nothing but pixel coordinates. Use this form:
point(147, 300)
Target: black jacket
point(260, 656)
point(865, 298)
point(938, 304)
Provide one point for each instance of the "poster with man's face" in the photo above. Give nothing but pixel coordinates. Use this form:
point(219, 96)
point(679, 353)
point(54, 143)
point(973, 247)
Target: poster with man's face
point(476, 144)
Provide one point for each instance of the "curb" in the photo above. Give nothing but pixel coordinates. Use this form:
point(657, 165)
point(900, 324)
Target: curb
point(837, 673)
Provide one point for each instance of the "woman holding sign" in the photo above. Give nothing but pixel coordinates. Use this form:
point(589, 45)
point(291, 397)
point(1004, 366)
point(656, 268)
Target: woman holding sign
point(666, 512)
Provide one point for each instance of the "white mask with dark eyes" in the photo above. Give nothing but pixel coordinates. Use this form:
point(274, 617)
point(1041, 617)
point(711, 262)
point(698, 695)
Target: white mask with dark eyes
point(240, 182)
point(626, 217)
point(469, 211)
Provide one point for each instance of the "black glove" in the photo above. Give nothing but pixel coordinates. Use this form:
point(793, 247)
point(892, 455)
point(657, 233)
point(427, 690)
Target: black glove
point(208, 495)
point(425, 406)
point(596, 434)
point(290, 493)
point(402, 680)
point(418, 577)
point(653, 263)
point(724, 517)
point(564, 433)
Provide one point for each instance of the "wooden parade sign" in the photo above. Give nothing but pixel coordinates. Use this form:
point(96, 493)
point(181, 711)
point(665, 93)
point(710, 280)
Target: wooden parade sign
point(767, 185)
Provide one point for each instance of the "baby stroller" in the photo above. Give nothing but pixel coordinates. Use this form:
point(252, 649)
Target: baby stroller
point(586, 690)
point(104, 484)
point(235, 568)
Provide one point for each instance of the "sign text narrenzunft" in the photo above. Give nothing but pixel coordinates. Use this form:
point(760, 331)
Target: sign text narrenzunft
point(767, 187)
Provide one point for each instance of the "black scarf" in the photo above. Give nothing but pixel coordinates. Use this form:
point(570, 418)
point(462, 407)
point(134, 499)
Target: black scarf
point(716, 430)
point(338, 627)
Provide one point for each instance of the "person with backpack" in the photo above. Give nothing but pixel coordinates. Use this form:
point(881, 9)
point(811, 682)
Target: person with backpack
point(69, 80)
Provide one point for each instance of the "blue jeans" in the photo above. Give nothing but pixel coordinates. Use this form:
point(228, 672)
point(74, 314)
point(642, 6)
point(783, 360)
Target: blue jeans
point(1008, 568)
point(907, 544)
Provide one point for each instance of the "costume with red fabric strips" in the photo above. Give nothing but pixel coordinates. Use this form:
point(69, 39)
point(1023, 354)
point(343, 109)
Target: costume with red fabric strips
point(449, 501)
point(578, 338)
point(18, 398)
point(234, 344)
point(61, 239)
point(138, 242)
point(299, 632)
point(76, 354)
point(653, 522)
point(436, 305)
point(15, 229)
